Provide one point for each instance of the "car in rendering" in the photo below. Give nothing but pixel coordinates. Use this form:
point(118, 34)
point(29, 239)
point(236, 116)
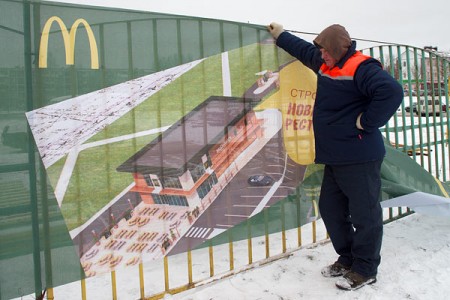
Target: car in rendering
point(260, 180)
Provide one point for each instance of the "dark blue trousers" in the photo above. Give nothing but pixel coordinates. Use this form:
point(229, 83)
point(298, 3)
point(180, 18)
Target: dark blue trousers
point(349, 204)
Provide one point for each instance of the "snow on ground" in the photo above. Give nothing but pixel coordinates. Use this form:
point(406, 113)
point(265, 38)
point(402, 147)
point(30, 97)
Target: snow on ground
point(415, 265)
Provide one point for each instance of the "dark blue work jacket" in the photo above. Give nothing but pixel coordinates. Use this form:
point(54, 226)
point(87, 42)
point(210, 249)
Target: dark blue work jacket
point(356, 84)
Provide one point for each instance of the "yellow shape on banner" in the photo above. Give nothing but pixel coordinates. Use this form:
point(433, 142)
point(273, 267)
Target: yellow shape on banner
point(295, 99)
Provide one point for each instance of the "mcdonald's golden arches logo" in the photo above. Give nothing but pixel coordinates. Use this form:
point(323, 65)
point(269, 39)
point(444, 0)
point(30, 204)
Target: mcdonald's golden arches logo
point(69, 41)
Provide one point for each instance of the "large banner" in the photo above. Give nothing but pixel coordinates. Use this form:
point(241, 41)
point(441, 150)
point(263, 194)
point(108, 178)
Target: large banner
point(159, 164)
point(155, 135)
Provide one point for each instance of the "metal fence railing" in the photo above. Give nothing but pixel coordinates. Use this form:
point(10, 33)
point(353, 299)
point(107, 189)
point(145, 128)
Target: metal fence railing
point(175, 274)
point(420, 127)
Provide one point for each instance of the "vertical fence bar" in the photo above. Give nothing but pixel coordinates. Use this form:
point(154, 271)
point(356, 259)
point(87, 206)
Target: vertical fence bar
point(101, 31)
point(230, 250)
point(211, 260)
point(427, 119)
point(447, 124)
point(314, 231)
point(166, 273)
point(141, 281)
point(31, 157)
point(130, 51)
point(299, 236)
point(439, 140)
point(50, 295)
point(419, 78)
point(391, 63)
point(189, 265)
point(37, 102)
point(249, 242)
point(283, 227)
point(316, 214)
point(432, 98)
point(46, 233)
point(299, 221)
point(83, 289)
point(266, 231)
point(114, 285)
point(411, 107)
point(403, 117)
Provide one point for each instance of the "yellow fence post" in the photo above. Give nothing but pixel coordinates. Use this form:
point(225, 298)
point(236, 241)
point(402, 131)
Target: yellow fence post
point(249, 242)
point(114, 285)
point(166, 273)
point(230, 246)
point(50, 295)
point(211, 260)
point(189, 258)
point(141, 280)
point(83, 289)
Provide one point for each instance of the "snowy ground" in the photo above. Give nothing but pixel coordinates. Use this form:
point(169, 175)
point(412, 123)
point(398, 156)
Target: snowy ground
point(415, 265)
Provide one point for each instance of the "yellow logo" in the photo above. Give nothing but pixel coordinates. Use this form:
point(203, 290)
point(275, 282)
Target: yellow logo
point(69, 41)
point(295, 99)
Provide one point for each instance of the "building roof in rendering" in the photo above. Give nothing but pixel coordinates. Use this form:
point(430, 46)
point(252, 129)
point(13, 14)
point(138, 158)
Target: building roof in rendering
point(189, 138)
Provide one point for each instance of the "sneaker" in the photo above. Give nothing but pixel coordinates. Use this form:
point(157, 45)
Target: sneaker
point(335, 270)
point(353, 281)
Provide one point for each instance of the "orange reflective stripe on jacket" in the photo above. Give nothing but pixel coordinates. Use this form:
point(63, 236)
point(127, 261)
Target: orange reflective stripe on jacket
point(348, 70)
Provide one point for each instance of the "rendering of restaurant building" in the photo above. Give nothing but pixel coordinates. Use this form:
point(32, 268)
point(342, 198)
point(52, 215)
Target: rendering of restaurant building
point(187, 161)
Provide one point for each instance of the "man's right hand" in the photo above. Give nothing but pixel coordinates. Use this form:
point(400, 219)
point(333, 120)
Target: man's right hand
point(275, 29)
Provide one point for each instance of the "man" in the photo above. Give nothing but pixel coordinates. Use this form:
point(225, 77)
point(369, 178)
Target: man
point(355, 97)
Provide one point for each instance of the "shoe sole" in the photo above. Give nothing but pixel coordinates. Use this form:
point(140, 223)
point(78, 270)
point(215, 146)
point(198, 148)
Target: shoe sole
point(368, 282)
